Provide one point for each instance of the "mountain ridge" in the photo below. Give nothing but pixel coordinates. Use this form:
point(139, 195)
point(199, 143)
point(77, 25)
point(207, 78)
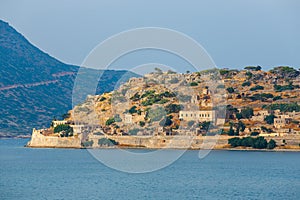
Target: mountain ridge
point(34, 86)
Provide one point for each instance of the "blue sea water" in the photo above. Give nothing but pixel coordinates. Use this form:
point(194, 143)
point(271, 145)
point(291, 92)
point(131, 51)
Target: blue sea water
point(27, 173)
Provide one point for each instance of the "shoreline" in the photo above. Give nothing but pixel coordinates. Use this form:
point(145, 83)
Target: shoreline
point(190, 149)
point(216, 148)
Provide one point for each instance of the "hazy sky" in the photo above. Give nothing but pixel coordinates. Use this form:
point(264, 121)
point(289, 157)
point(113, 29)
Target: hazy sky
point(235, 33)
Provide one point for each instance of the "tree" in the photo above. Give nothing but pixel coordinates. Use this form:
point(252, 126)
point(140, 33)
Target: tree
point(171, 72)
point(110, 121)
point(241, 126)
point(247, 112)
point(193, 84)
point(252, 68)
point(255, 133)
point(284, 107)
point(260, 143)
point(234, 142)
point(135, 97)
point(132, 110)
point(257, 87)
point(231, 131)
point(247, 83)
point(238, 116)
point(249, 75)
point(166, 121)
point(102, 99)
point(230, 90)
point(205, 125)
point(63, 127)
point(142, 123)
point(271, 144)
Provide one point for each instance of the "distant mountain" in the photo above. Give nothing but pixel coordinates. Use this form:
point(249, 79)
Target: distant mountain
point(35, 87)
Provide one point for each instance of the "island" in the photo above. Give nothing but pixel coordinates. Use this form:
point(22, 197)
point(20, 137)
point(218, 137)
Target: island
point(217, 108)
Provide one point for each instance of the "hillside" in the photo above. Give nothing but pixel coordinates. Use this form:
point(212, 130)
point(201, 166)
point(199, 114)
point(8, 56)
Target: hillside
point(256, 102)
point(35, 87)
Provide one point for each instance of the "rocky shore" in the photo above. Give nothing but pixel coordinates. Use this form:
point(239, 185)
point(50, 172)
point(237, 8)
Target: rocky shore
point(220, 142)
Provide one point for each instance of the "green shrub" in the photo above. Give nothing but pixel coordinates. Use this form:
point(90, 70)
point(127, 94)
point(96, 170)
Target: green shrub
point(257, 87)
point(280, 88)
point(110, 121)
point(135, 97)
point(271, 144)
point(285, 71)
point(247, 83)
point(254, 133)
point(107, 142)
point(252, 68)
point(265, 129)
point(277, 98)
point(270, 119)
point(63, 127)
point(284, 107)
point(204, 125)
point(148, 93)
point(249, 75)
point(257, 143)
point(193, 84)
point(88, 143)
point(230, 90)
point(261, 97)
point(102, 99)
point(247, 113)
point(142, 123)
point(167, 94)
point(132, 110)
point(163, 101)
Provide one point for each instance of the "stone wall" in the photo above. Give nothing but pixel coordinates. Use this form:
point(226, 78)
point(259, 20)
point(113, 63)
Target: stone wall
point(39, 140)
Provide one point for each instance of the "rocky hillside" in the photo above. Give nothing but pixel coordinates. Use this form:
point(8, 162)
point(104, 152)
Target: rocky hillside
point(142, 105)
point(35, 87)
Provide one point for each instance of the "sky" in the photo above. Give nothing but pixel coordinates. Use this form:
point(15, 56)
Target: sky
point(235, 33)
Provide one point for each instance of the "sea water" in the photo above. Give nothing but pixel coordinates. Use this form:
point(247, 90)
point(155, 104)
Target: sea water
point(27, 173)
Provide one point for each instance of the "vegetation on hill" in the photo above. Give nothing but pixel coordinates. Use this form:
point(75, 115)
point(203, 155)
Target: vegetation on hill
point(283, 107)
point(254, 142)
